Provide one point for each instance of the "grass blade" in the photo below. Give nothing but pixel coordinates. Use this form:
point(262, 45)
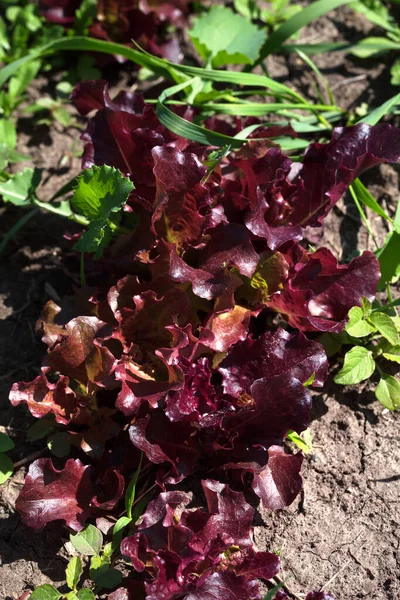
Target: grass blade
point(378, 113)
point(298, 21)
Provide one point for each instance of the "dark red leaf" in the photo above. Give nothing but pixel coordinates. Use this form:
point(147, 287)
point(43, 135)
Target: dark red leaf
point(279, 483)
point(51, 495)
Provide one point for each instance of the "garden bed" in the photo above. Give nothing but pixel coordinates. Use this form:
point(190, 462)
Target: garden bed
point(342, 531)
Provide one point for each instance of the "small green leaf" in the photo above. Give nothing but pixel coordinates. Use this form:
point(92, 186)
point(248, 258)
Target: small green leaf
point(310, 380)
point(386, 327)
point(118, 531)
point(62, 116)
point(89, 541)
point(270, 595)
point(131, 490)
point(20, 190)
point(356, 325)
point(225, 38)
point(6, 468)
point(85, 594)
point(366, 306)
point(388, 392)
point(358, 366)
point(59, 444)
point(393, 354)
point(304, 443)
point(73, 572)
point(6, 442)
point(45, 592)
point(101, 191)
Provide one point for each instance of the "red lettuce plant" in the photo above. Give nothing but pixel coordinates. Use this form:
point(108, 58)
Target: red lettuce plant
point(196, 344)
point(122, 21)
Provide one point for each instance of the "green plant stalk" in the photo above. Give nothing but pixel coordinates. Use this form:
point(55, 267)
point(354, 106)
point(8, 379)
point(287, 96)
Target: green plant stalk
point(363, 215)
point(16, 227)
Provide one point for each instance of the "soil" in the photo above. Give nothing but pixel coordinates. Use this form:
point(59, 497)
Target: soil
point(343, 532)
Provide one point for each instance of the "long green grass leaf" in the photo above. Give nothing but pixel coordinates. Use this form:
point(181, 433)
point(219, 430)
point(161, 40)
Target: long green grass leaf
point(297, 22)
point(378, 113)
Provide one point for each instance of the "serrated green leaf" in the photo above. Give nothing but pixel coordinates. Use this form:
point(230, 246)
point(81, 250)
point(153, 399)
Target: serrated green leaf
point(73, 572)
point(88, 541)
point(393, 354)
point(21, 188)
point(356, 326)
point(358, 366)
point(45, 592)
point(384, 324)
point(85, 594)
point(100, 192)
point(6, 468)
point(388, 392)
point(225, 38)
point(59, 444)
point(6, 442)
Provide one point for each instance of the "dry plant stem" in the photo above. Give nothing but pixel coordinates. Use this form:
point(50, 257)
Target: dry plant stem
point(346, 564)
point(28, 459)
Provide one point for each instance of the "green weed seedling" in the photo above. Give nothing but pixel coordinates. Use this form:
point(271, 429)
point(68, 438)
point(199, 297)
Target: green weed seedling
point(373, 333)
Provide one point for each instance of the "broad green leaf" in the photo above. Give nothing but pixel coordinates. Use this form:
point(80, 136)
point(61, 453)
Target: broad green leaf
point(331, 343)
point(41, 428)
point(89, 541)
point(45, 592)
point(223, 37)
point(389, 260)
point(384, 324)
point(85, 594)
point(118, 531)
point(358, 366)
point(388, 392)
point(73, 572)
point(100, 192)
point(6, 468)
point(356, 326)
point(102, 574)
point(304, 443)
point(59, 444)
point(393, 354)
point(21, 188)
point(6, 442)
point(8, 133)
point(131, 490)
